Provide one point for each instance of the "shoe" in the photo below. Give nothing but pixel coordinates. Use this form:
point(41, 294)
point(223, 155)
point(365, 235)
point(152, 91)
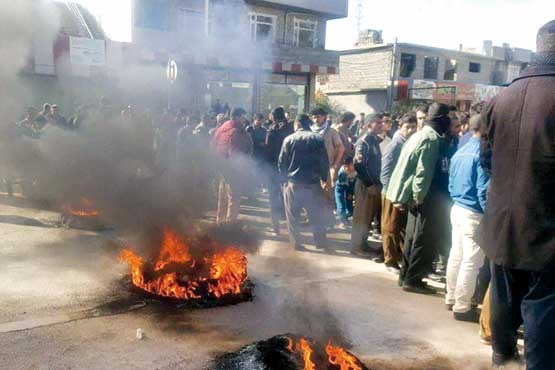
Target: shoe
point(300, 247)
point(342, 226)
point(468, 316)
point(421, 288)
point(378, 259)
point(506, 362)
point(437, 278)
point(449, 307)
point(393, 269)
point(484, 338)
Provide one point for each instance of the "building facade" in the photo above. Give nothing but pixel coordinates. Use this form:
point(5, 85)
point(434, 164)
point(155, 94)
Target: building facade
point(375, 75)
point(247, 53)
point(253, 54)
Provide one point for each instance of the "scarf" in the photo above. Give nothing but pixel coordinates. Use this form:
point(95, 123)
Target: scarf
point(320, 130)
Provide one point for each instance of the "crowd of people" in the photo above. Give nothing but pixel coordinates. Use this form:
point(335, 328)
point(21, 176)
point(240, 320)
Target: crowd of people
point(423, 179)
point(465, 195)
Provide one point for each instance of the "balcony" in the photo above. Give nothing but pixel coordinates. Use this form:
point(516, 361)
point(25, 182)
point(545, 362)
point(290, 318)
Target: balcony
point(331, 9)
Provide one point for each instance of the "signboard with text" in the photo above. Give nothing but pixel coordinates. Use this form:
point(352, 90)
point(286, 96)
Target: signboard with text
point(88, 52)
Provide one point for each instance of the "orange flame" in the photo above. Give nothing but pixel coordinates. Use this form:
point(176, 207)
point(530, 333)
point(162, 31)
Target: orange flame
point(339, 357)
point(87, 209)
point(304, 347)
point(177, 274)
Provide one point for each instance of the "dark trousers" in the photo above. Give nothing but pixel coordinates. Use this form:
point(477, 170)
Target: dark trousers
point(523, 297)
point(418, 253)
point(309, 197)
point(276, 199)
point(367, 202)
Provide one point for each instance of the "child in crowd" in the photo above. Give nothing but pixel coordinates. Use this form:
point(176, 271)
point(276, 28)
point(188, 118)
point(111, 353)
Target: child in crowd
point(345, 190)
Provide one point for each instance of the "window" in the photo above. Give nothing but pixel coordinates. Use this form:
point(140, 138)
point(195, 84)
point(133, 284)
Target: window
point(450, 70)
point(474, 67)
point(305, 33)
point(408, 64)
point(431, 65)
point(190, 21)
point(151, 14)
point(263, 27)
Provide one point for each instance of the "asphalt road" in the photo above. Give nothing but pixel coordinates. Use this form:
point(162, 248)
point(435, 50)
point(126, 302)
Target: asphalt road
point(64, 306)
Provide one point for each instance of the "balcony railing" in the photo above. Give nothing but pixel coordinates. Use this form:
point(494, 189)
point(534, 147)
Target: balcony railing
point(330, 8)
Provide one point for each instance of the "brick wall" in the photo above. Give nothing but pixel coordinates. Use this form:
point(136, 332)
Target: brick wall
point(361, 70)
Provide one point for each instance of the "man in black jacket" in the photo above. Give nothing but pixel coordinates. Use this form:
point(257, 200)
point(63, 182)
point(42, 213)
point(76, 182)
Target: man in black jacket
point(518, 229)
point(368, 162)
point(304, 162)
point(277, 132)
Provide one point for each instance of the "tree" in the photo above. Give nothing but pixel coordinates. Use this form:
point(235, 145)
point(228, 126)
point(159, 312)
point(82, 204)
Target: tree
point(323, 101)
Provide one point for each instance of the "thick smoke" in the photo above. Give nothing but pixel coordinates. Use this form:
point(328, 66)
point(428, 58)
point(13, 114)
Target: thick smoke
point(111, 161)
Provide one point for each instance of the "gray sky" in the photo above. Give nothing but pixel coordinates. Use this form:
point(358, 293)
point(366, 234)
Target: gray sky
point(441, 23)
point(446, 23)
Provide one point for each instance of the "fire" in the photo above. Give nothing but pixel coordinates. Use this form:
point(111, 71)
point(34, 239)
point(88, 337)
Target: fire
point(86, 209)
point(338, 358)
point(306, 350)
point(176, 274)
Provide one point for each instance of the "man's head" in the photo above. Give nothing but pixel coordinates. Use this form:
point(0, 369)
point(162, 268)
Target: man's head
point(287, 116)
point(238, 115)
point(545, 40)
point(220, 119)
point(278, 115)
point(387, 123)
point(438, 118)
point(55, 110)
point(408, 125)
point(348, 163)
point(31, 113)
point(374, 123)
point(474, 125)
point(348, 118)
point(421, 114)
point(46, 108)
point(319, 116)
point(303, 122)
point(362, 116)
point(258, 119)
point(455, 127)
point(464, 120)
point(477, 108)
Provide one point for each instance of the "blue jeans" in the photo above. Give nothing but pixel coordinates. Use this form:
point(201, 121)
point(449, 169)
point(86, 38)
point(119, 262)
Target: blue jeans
point(523, 297)
point(344, 201)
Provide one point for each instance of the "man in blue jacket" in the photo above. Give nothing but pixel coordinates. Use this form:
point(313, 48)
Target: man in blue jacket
point(468, 183)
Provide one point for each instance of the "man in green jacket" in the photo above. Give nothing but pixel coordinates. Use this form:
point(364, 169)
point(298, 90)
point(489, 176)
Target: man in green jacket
point(409, 188)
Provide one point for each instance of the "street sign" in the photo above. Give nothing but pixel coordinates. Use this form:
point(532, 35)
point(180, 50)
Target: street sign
point(171, 71)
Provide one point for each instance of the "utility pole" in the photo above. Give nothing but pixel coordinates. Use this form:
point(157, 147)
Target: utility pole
point(360, 14)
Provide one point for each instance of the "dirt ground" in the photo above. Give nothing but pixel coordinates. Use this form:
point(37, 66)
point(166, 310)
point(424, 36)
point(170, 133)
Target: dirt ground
point(64, 306)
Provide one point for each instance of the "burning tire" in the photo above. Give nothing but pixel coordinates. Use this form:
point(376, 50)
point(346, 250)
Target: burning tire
point(287, 352)
point(214, 276)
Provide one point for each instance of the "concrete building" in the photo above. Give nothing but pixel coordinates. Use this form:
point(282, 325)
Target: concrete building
point(375, 75)
point(254, 54)
point(68, 56)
